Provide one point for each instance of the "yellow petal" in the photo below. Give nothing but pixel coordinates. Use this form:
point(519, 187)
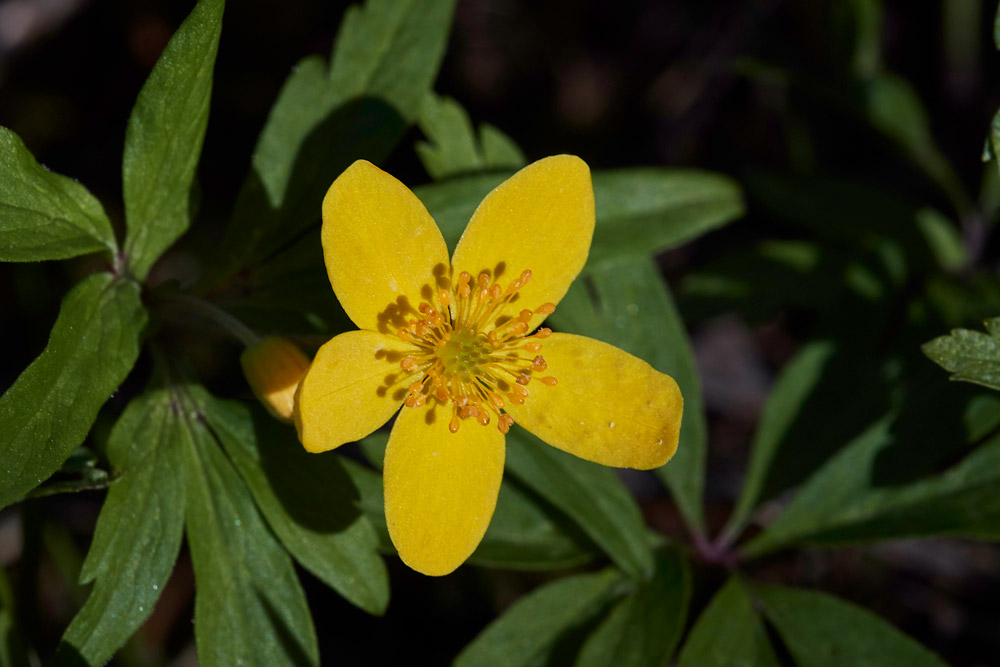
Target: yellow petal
point(540, 219)
point(352, 387)
point(440, 487)
point(380, 245)
point(273, 368)
point(608, 406)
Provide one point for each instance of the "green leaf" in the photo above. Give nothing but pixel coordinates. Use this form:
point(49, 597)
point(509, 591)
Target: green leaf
point(48, 410)
point(893, 107)
point(823, 631)
point(590, 494)
point(453, 148)
point(526, 532)
point(308, 501)
point(249, 607)
point(138, 533)
point(384, 61)
point(970, 356)
point(626, 303)
point(639, 211)
point(729, 633)
point(846, 502)
point(530, 628)
point(644, 628)
point(44, 215)
point(996, 29)
point(644, 211)
point(164, 136)
point(790, 392)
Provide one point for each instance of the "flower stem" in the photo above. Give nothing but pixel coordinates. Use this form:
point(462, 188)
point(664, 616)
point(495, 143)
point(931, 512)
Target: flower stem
point(230, 324)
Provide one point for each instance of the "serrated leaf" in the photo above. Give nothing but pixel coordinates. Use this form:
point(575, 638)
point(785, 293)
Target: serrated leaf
point(44, 215)
point(138, 534)
point(249, 606)
point(452, 147)
point(590, 494)
point(790, 392)
point(308, 501)
point(627, 304)
point(164, 137)
point(531, 626)
point(823, 631)
point(48, 410)
point(639, 212)
point(384, 61)
point(970, 356)
point(526, 532)
point(729, 633)
point(643, 630)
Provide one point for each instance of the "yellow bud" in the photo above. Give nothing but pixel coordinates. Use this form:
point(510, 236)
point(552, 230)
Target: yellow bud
point(273, 368)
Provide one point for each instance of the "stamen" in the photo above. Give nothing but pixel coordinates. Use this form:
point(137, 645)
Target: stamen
point(464, 358)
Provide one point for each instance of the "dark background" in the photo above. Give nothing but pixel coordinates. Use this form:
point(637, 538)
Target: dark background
point(620, 84)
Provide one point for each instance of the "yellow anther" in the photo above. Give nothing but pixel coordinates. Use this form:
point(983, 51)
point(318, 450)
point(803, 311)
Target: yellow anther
point(548, 381)
point(463, 357)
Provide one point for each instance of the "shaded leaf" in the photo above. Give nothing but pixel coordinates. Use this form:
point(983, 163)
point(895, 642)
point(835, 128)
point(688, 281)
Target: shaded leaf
point(627, 304)
point(138, 533)
point(823, 631)
point(164, 136)
point(645, 627)
point(970, 356)
point(308, 501)
point(729, 633)
point(384, 61)
point(845, 503)
point(452, 147)
point(792, 389)
point(249, 607)
point(590, 494)
point(44, 215)
point(48, 410)
point(530, 627)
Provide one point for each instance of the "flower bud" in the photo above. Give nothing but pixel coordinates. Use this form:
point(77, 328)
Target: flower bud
point(273, 368)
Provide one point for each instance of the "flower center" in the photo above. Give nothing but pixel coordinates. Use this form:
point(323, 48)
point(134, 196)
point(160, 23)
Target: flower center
point(468, 358)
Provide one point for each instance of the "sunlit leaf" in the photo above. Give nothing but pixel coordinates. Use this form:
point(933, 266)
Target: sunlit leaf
point(970, 356)
point(48, 410)
point(164, 136)
point(249, 607)
point(138, 533)
point(44, 215)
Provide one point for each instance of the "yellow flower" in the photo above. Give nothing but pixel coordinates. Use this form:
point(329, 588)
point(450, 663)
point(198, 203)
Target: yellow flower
point(458, 343)
point(273, 368)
